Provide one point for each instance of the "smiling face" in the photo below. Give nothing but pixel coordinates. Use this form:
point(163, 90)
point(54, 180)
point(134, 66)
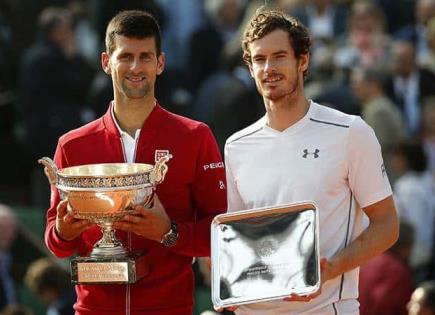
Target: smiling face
point(134, 65)
point(276, 70)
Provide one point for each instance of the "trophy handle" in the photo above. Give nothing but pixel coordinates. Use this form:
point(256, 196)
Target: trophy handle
point(158, 173)
point(50, 169)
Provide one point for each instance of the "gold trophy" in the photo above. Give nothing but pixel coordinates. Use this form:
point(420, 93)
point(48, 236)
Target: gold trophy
point(104, 193)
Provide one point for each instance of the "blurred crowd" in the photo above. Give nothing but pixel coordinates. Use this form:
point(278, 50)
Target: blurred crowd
point(374, 58)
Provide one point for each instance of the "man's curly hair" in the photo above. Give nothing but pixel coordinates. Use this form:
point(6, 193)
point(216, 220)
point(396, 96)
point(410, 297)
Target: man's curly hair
point(267, 21)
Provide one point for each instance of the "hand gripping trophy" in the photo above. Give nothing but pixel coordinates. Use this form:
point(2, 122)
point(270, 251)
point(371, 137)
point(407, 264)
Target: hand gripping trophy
point(102, 194)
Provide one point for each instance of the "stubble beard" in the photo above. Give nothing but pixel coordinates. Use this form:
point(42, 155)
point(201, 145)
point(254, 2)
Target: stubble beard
point(136, 93)
point(278, 95)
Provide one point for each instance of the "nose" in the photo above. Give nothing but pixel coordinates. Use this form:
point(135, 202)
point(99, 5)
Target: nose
point(269, 66)
point(135, 65)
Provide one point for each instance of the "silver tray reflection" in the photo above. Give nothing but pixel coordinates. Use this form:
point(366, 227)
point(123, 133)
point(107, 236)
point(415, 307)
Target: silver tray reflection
point(265, 254)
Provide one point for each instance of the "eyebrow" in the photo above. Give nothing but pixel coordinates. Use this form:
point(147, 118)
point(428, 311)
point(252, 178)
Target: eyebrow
point(279, 52)
point(145, 53)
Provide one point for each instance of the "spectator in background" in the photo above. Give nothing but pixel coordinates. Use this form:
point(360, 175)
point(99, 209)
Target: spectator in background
point(416, 33)
point(386, 283)
point(52, 285)
point(409, 85)
point(366, 44)
point(414, 193)
point(328, 86)
point(377, 109)
point(206, 44)
point(228, 100)
point(428, 61)
point(325, 19)
point(8, 228)
point(54, 83)
point(287, 6)
point(182, 19)
point(86, 37)
point(6, 52)
point(396, 13)
point(429, 132)
point(8, 117)
point(7, 74)
point(423, 300)
point(15, 309)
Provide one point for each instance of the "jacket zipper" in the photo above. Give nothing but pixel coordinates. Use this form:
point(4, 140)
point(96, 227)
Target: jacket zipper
point(128, 288)
point(127, 291)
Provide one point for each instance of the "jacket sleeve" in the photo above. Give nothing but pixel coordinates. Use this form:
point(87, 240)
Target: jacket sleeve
point(209, 197)
point(55, 244)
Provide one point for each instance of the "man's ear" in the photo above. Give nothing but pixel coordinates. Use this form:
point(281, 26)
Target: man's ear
point(251, 71)
point(304, 61)
point(161, 63)
point(105, 63)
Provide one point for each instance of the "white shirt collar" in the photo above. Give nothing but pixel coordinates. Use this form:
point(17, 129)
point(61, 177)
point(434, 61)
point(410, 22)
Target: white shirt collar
point(128, 142)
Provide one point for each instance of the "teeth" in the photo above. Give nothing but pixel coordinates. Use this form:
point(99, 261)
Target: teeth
point(275, 79)
point(135, 79)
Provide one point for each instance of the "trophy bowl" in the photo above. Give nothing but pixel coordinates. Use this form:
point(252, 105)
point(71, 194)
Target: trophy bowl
point(104, 193)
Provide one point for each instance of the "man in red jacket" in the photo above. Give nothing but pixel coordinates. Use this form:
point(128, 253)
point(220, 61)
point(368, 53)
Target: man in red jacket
point(137, 129)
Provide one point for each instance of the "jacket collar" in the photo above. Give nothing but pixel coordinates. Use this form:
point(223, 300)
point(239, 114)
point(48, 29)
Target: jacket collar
point(150, 122)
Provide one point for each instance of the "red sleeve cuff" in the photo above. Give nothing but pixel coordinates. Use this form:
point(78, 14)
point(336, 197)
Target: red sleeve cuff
point(60, 247)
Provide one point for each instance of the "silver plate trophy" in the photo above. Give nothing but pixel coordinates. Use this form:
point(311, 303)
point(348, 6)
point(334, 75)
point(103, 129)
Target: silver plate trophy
point(265, 254)
point(102, 194)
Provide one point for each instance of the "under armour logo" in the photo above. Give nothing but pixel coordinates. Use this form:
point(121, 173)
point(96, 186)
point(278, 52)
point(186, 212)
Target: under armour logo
point(315, 154)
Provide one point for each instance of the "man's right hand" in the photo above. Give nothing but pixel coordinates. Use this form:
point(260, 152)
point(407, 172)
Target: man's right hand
point(68, 227)
point(229, 308)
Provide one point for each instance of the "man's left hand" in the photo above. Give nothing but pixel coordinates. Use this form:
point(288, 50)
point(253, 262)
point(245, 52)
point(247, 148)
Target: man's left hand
point(325, 276)
point(150, 223)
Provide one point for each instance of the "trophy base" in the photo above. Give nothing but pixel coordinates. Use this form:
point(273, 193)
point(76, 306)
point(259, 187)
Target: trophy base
point(110, 270)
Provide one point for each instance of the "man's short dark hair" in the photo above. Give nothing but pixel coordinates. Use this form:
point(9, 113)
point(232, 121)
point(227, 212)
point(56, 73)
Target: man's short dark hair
point(266, 21)
point(134, 24)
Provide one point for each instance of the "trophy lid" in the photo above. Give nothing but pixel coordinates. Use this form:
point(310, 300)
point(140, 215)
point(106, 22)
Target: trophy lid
point(105, 176)
point(105, 170)
point(265, 254)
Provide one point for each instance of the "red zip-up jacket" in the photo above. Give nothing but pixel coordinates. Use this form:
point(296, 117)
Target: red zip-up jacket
point(192, 193)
